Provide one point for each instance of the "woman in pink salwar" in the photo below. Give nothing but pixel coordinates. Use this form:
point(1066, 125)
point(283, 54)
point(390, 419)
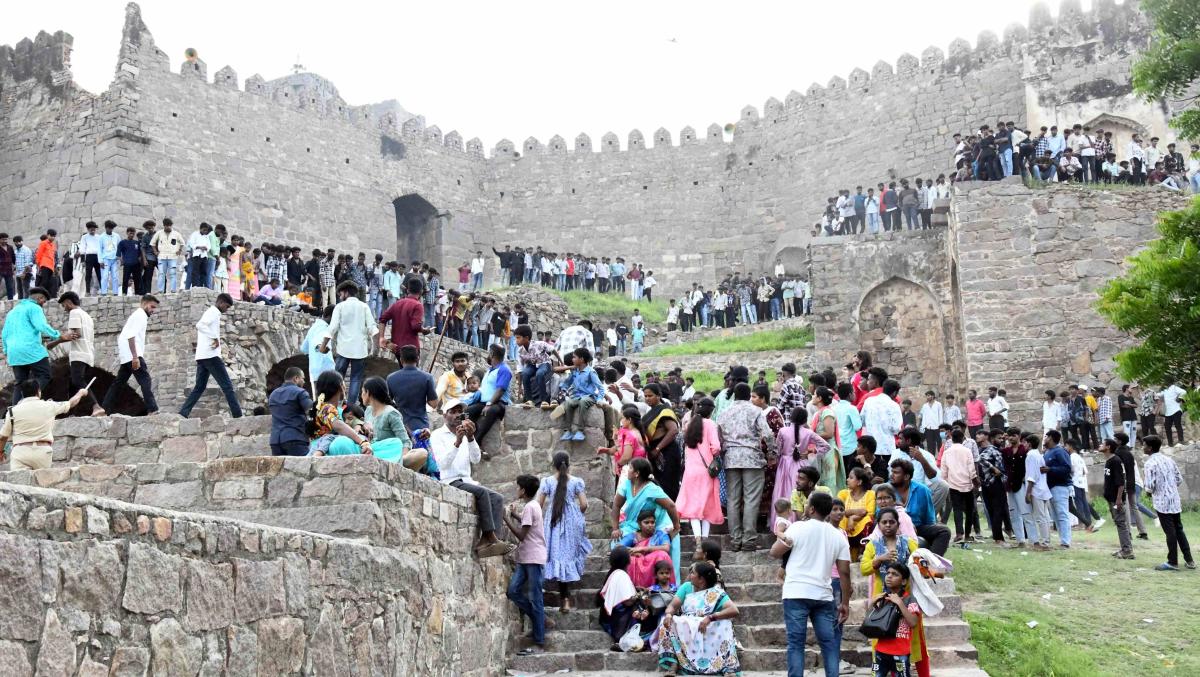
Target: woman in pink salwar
point(798, 446)
point(234, 286)
point(700, 491)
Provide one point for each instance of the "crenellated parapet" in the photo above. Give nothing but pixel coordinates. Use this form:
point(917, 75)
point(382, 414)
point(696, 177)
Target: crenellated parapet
point(46, 60)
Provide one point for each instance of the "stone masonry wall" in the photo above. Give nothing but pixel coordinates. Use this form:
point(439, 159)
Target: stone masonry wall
point(1186, 457)
point(93, 586)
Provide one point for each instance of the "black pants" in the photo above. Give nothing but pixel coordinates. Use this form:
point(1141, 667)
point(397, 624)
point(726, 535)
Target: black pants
point(936, 537)
point(148, 277)
point(964, 507)
point(23, 286)
point(933, 440)
point(484, 416)
point(48, 280)
point(488, 504)
point(131, 271)
point(1147, 425)
point(996, 422)
point(216, 368)
point(143, 378)
point(38, 371)
point(199, 271)
point(671, 474)
point(1087, 436)
point(91, 262)
point(995, 500)
point(290, 449)
point(81, 373)
point(1172, 528)
point(685, 321)
point(10, 286)
point(1174, 421)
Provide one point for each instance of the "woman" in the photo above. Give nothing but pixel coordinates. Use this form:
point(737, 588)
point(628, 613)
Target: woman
point(700, 493)
point(860, 363)
point(620, 604)
point(696, 634)
point(824, 423)
point(234, 286)
point(661, 427)
point(249, 277)
point(798, 445)
point(761, 398)
point(859, 500)
point(567, 544)
point(649, 545)
point(882, 551)
point(639, 495)
point(390, 440)
point(326, 417)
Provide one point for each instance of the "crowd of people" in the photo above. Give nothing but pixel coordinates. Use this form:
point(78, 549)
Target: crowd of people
point(566, 271)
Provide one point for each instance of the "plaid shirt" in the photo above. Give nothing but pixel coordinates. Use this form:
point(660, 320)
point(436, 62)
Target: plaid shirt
point(791, 395)
point(575, 337)
point(1103, 148)
point(989, 457)
point(1104, 410)
point(1043, 145)
point(327, 268)
point(1146, 404)
point(374, 278)
point(276, 268)
point(358, 273)
point(1162, 480)
point(23, 260)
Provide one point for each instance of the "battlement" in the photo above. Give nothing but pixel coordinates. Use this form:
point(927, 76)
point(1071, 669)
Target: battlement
point(46, 59)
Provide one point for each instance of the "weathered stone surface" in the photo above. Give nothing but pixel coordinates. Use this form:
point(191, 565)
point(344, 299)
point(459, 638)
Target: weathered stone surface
point(184, 449)
point(210, 596)
point(91, 576)
point(260, 589)
point(173, 651)
point(243, 650)
point(20, 589)
point(173, 495)
point(14, 661)
point(56, 650)
point(152, 581)
point(280, 645)
point(329, 651)
point(90, 668)
point(130, 661)
point(97, 521)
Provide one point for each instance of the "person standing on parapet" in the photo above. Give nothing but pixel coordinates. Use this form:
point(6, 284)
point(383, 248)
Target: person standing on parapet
point(208, 358)
point(350, 327)
point(131, 351)
point(110, 274)
point(24, 327)
point(477, 271)
point(46, 260)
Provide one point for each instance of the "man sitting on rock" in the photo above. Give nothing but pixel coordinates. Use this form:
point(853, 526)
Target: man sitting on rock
point(455, 448)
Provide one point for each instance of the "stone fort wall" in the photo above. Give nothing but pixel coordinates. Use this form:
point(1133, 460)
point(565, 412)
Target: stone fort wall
point(296, 163)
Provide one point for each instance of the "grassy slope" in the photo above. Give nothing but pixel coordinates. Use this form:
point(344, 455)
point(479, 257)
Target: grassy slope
point(1094, 627)
point(765, 340)
point(613, 306)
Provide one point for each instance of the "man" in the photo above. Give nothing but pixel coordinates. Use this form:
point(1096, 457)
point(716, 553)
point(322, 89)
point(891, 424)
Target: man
point(455, 449)
point(746, 434)
point(374, 283)
point(880, 413)
point(849, 421)
point(405, 316)
point(864, 457)
point(318, 362)
point(1052, 412)
point(271, 293)
point(451, 385)
point(1114, 495)
point(791, 394)
point(289, 405)
point(24, 327)
point(1132, 490)
point(89, 247)
point(477, 272)
point(1037, 495)
point(997, 409)
point(610, 337)
point(993, 482)
point(81, 337)
point(918, 503)
point(46, 260)
point(493, 394)
point(1172, 411)
point(8, 260)
point(536, 365)
point(952, 413)
point(1162, 483)
point(328, 278)
point(166, 246)
point(109, 274)
point(931, 417)
point(577, 336)
point(130, 252)
point(350, 328)
point(412, 391)
point(908, 416)
point(30, 425)
point(208, 358)
point(1136, 153)
point(200, 243)
point(149, 258)
point(958, 469)
point(1104, 413)
point(22, 266)
point(131, 353)
point(813, 547)
point(1058, 478)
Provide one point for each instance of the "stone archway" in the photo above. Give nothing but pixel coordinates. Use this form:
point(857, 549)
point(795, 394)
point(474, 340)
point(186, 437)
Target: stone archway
point(129, 401)
point(418, 229)
point(901, 324)
point(275, 373)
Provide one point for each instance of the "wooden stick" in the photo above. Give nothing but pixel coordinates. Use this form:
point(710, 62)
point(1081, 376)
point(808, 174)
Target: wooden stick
point(445, 326)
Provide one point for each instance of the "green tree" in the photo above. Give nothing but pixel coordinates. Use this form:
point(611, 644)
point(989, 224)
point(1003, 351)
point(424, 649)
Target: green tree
point(1171, 64)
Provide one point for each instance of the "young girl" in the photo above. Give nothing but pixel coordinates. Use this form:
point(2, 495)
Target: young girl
point(524, 588)
point(664, 577)
point(892, 657)
point(566, 534)
point(859, 500)
point(221, 269)
point(650, 546)
point(798, 446)
point(783, 515)
point(629, 445)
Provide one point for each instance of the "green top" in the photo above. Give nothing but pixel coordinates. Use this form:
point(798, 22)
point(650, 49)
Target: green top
point(387, 425)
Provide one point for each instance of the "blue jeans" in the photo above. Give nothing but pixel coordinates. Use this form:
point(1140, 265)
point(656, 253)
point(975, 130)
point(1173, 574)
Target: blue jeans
point(535, 381)
point(1047, 175)
point(1105, 430)
point(874, 223)
point(375, 302)
point(529, 602)
point(167, 279)
point(215, 367)
point(774, 309)
point(512, 348)
point(637, 346)
point(110, 277)
point(749, 314)
point(836, 585)
point(912, 216)
point(796, 614)
point(357, 367)
point(208, 276)
point(1006, 160)
point(1060, 504)
point(620, 346)
point(476, 281)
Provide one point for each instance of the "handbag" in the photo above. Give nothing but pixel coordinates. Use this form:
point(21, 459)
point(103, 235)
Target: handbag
point(716, 465)
point(883, 621)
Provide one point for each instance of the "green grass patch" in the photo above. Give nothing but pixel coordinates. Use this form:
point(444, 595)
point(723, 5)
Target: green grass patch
point(766, 340)
point(1091, 623)
point(597, 307)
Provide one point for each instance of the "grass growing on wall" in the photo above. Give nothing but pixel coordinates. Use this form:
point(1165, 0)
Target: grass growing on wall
point(595, 306)
point(766, 340)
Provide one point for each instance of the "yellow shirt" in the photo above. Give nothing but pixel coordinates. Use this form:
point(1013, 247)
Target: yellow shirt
point(800, 501)
point(1091, 402)
point(32, 420)
point(867, 502)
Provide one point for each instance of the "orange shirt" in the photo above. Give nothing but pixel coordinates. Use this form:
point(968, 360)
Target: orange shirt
point(44, 256)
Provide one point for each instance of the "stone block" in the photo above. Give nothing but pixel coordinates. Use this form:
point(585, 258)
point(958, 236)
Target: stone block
point(136, 455)
point(101, 473)
point(243, 650)
point(259, 589)
point(347, 465)
point(73, 523)
point(184, 449)
point(348, 520)
point(49, 477)
point(20, 589)
point(94, 449)
point(152, 581)
point(238, 489)
point(258, 466)
point(174, 652)
point(14, 661)
point(281, 645)
point(152, 429)
point(296, 582)
point(56, 650)
point(171, 495)
point(90, 426)
point(321, 487)
point(210, 596)
point(97, 521)
point(130, 661)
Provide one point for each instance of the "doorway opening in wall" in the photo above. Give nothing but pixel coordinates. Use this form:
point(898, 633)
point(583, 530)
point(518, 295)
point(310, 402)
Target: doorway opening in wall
point(418, 229)
point(129, 401)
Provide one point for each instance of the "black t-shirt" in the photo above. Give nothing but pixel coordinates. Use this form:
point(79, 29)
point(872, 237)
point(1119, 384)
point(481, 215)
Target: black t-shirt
point(1127, 407)
point(622, 331)
point(295, 271)
point(1126, 457)
point(312, 272)
point(909, 418)
point(1114, 477)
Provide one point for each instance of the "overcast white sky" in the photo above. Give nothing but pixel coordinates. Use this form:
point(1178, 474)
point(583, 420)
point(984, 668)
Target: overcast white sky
point(533, 68)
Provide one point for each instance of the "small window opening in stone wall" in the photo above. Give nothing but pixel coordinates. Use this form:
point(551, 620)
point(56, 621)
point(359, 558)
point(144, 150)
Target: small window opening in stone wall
point(460, 182)
point(572, 191)
point(268, 139)
point(307, 150)
point(645, 187)
point(501, 194)
point(231, 129)
point(695, 183)
point(347, 160)
point(174, 115)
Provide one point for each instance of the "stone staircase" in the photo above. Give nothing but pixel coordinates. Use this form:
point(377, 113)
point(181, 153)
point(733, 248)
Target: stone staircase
point(575, 641)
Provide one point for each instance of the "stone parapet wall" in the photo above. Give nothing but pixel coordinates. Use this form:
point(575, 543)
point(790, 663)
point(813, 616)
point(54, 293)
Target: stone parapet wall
point(1186, 457)
point(94, 586)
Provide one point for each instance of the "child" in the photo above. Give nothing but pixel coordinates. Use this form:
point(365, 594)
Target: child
point(471, 388)
point(221, 269)
point(835, 518)
point(639, 337)
point(783, 520)
point(583, 389)
point(892, 654)
point(525, 587)
point(664, 577)
point(628, 445)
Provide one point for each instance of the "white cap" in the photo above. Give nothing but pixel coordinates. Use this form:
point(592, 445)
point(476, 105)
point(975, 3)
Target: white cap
point(450, 404)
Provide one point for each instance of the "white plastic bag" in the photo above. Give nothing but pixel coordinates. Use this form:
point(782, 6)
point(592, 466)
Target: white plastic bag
point(631, 640)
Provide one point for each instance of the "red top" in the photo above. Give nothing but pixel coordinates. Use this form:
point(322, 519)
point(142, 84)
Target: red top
point(976, 410)
point(44, 256)
point(406, 316)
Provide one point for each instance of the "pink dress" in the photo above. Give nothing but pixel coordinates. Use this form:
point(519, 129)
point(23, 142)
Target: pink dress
point(700, 493)
point(785, 472)
point(234, 286)
point(625, 438)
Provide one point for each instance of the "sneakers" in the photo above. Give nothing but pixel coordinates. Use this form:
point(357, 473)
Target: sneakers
point(1125, 555)
point(1190, 565)
point(566, 437)
point(1098, 523)
point(1144, 537)
point(578, 436)
point(1166, 566)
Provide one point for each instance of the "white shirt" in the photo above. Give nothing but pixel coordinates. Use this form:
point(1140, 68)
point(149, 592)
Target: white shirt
point(135, 328)
point(453, 462)
point(198, 243)
point(89, 244)
point(882, 420)
point(1170, 399)
point(1051, 415)
point(932, 415)
point(351, 327)
point(1083, 144)
point(816, 547)
point(1079, 472)
point(845, 205)
point(208, 328)
point(997, 404)
point(779, 270)
point(83, 348)
point(637, 319)
point(673, 314)
point(648, 282)
point(1135, 150)
point(476, 266)
point(1035, 476)
point(953, 414)
point(611, 335)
